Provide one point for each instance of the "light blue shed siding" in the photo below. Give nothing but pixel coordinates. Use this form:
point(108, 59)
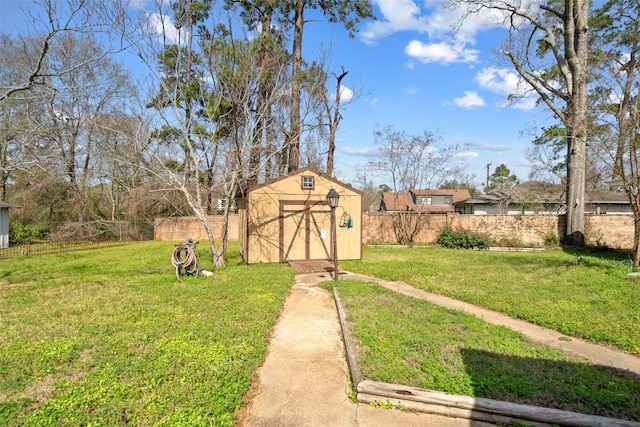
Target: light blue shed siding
point(4, 227)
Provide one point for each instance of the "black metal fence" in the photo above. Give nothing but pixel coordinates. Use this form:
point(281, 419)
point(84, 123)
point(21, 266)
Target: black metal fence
point(48, 247)
point(78, 236)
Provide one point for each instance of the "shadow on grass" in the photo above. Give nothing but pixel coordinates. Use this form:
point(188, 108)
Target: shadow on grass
point(537, 381)
point(602, 252)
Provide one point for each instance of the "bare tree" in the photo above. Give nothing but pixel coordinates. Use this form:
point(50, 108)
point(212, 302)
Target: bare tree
point(54, 19)
point(616, 99)
point(548, 46)
point(57, 72)
point(334, 116)
point(118, 180)
point(371, 199)
point(547, 156)
point(347, 12)
point(412, 162)
point(18, 147)
point(325, 99)
point(210, 147)
point(76, 101)
point(50, 126)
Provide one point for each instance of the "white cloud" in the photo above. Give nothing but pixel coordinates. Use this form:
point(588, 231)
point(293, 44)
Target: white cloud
point(360, 151)
point(162, 26)
point(397, 15)
point(466, 155)
point(489, 147)
point(440, 52)
point(506, 82)
point(469, 100)
point(499, 80)
point(445, 19)
point(346, 94)
point(432, 19)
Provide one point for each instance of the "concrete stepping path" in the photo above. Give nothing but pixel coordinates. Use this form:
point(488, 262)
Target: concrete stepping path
point(304, 379)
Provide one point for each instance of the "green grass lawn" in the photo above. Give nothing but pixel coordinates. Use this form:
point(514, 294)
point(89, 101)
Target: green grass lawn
point(110, 337)
point(403, 340)
point(587, 295)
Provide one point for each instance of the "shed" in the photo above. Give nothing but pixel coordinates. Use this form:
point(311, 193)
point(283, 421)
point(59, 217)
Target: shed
point(4, 223)
point(289, 219)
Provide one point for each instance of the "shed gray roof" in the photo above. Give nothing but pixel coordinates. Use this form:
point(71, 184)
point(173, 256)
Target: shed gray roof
point(5, 205)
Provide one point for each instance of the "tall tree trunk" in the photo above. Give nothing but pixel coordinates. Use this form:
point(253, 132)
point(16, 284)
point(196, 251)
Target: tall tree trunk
point(270, 163)
point(256, 150)
point(636, 242)
point(575, 188)
point(211, 200)
point(187, 99)
point(628, 119)
point(576, 52)
point(3, 185)
point(294, 127)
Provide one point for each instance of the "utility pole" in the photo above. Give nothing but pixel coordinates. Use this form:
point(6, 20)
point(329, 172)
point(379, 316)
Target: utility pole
point(486, 186)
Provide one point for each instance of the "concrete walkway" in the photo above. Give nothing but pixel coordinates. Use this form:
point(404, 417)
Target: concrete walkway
point(303, 381)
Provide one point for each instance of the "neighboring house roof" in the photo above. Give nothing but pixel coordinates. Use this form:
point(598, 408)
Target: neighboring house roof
point(532, 192)
point(406, 201)
point(396, 201)
point(544, 192)
point(457, 195)
point(607, 196)
point(479, 200)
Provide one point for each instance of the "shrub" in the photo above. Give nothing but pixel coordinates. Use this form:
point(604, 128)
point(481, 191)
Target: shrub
point(19, 232)
point(551, 239)
point(462, 239)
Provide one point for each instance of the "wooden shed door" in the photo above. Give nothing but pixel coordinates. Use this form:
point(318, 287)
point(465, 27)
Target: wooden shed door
point(305, 231)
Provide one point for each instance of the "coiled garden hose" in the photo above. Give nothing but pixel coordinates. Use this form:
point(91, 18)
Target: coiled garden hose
point(184, 259)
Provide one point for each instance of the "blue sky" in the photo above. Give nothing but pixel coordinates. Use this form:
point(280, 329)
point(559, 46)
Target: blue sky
point(411, 71)
point(416, 74)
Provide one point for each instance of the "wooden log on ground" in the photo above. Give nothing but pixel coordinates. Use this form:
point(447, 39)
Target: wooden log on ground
point(487, 406)
point(448, 411)
point(350, 349)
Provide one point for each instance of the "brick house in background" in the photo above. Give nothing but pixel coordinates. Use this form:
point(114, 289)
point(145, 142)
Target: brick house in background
point(424, 201)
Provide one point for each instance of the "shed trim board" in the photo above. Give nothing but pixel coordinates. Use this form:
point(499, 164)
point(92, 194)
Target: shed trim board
point(308, 210)
point(298, 173)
